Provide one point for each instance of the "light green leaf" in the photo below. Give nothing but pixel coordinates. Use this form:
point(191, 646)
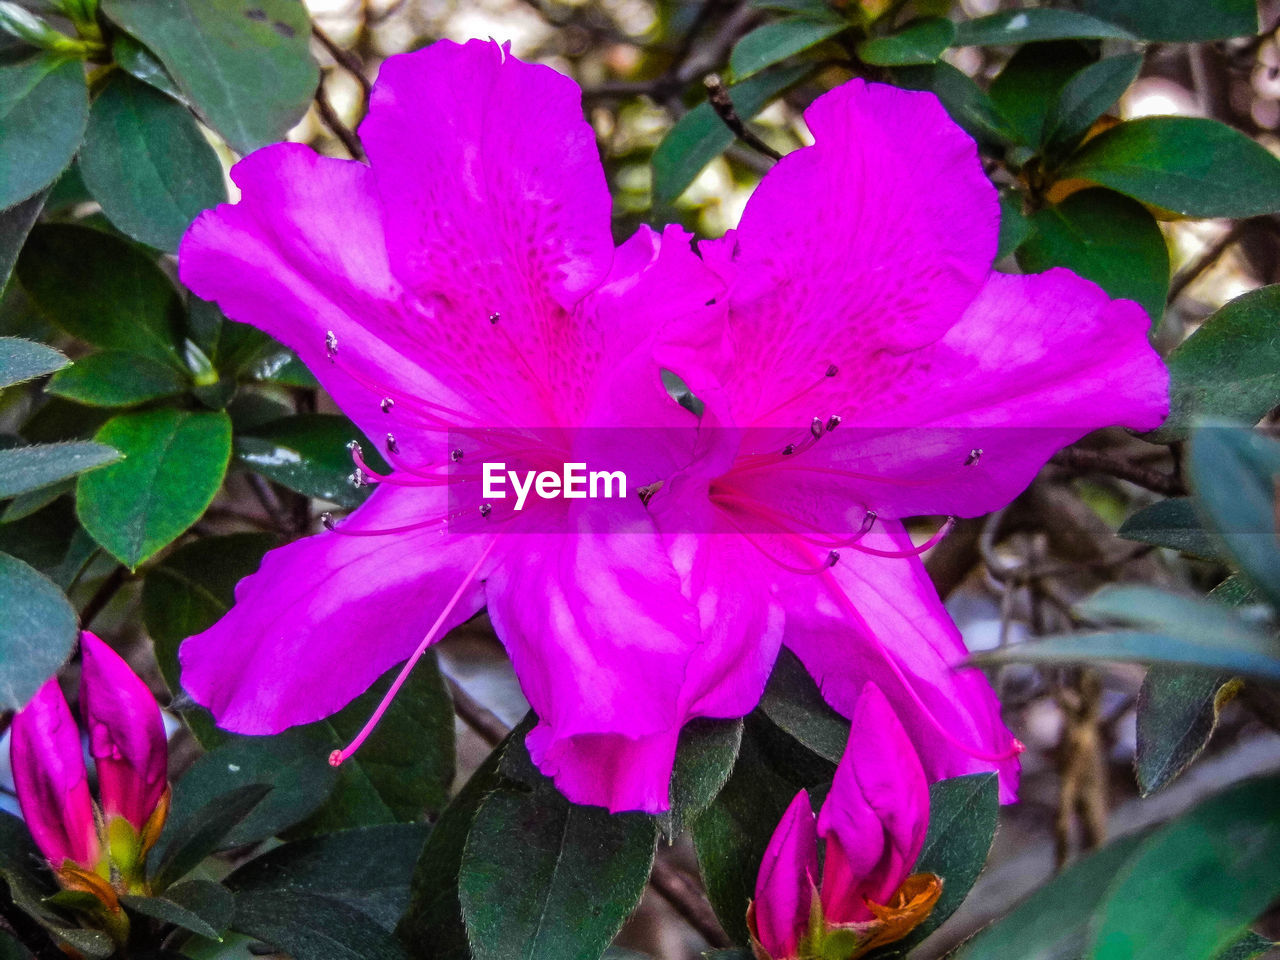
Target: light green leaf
point(774, 42)
point(24, 469)
point(920, 41)
point(115, 378)
point(38, 631)
point(44, 105)
point(1015, 27)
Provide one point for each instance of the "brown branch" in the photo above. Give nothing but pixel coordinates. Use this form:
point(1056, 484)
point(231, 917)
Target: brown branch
point(1079, 461)
point(345, 59)
point(476, 715)
point(1192, 271)
point(329, 117)
point(722, 104)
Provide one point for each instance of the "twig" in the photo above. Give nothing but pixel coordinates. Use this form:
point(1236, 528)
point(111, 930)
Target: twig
point(722, 103)
point(282, 521)
point(345, 59)
point(476, 715)
point(329, 117)
point(99, 600)
point(1203, 262)
point(1093, 461)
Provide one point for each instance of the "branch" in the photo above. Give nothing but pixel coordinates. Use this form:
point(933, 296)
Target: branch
point(476, 715)
point(1079, 461)
point(345, 59)
point(99, 600)
point(329, 117)
point(722, 103)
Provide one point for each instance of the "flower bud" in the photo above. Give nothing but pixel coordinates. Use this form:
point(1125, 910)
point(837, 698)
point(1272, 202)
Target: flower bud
point(785, 886)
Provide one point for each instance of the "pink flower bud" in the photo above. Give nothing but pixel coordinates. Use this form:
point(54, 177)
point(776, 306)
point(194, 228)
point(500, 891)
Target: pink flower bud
point(785, 886)
point(126, 734)
point(51, 781)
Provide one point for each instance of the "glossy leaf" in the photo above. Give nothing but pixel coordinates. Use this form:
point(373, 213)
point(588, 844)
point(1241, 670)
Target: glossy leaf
point(188, 840)
point(1189, 165)
point(1230, 367)
point(201, 906)
point(173, 467)
point(966, 102)
point(1085, 97)
point(1177, 714)
point(309, 927)
point(1175, 524)
point(15, 224)
point(1029, 86)
point(308, 453)
point(527, 899)
point(793, 702)
point(1016, 27)
point(38, 631)
point(43, 108)
point(920, 41)
point(700, 135)
point(774, 42)
point(704, 760)
point(1181, 20)
point(147, 163)
point(1106, 238)
point(102, 289)
point(22, 360)
point(137, 61)
point(244, 64)
point(24, 469)
point(115, 378)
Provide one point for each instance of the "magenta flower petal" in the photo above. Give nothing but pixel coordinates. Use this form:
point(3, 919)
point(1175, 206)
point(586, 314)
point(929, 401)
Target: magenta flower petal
point(126, 733)
point(875, 818)
point(880, 620)
point(51, 781)
point(784, 887)
point(326, 616)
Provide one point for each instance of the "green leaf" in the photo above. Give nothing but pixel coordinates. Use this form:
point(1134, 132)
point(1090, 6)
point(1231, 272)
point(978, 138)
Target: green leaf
point(920, 41)
point(230, 346)
point(308, 927)
point(1015, 228)
point(1085, 97)
point(43, 108)
point(245, 64)
point(308, 453)
point(1106, 238)
point(527, 899)
point(173, 467)
point(793, 702)
point(1230, 367)
point(115, 378)
point(962, 824)
point(1016, 27)
point(966, 102)
point(1053, 923)
point(700, 135)
point(147, 163)
point(1189, 165)
point(188, 840)
point(15, 224)
point(1028, 87)
point(23, 469)
point(201, 906)
point(22, 360)
point(1187, 21)
point(704, 761)
point(137, 61)
point(774, 42)
point(368, 868)
point(1233, 473)
point(102, 289)
point(1247, 946)
point(1177, 714)
point(38, 631)
point(1174, 524)
point(1215, 869)
point(1181, 615)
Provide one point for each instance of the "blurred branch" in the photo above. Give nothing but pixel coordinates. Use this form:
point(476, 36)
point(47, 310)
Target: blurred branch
point(329, 117)
point(1079, 461)
point(110, 587)
point(476, 715)
point(1188, 274)
point(345, 59)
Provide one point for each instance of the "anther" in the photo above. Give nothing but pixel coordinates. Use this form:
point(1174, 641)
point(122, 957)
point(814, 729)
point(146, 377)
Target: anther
point(486, 509)
point(386, 404)
point(353, 447)
point(789, 449)
point(833, 421)
point(357, 478)
point(327, 519)
point(330, 345)
point(974, 456)
point(832, 370)
point(455, 454)
point(495, 317)
point(833, 558)
point(815, 428)
point(392, 445)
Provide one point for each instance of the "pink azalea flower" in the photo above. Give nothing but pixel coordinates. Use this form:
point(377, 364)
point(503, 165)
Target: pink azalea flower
point(873, 823)
point(461, 300)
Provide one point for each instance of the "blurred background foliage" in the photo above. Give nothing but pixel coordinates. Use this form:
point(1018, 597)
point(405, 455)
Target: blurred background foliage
point(1133, 141)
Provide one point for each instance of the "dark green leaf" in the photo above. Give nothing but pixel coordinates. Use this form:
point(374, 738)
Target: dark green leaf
point(774, 42)
point(1053, 923)
point(137, 61)
point(1181, 615)
point(115, 378)
point(23, 469)
point(962, 824)
point(201, 906)
point(1174, 524)
point(308, 927)
point(43, 108)
point(1245, 947)
point(38, 631)
point(1177, 713)
point(245, 64)
point(308, 453)
point(1085, 97)
point(229, 346)
point(22, 360)
point(1106, 238)
point(147, 163)
point(1230, 367)
point(1181, 20)
point(1015, 228)
point(1233, 473)
point(43, 537)
point(102, 289)
point(920, 41)
point(367, 868)
point(704, 760)
point(1027, 88)
point(966, 102)
point(793, 702)
point(564, 889)
point(173, 467)
point(1189, 165)
point(188, 840)
point(1215, 869)
point(700, 136)
point(15, 224)
point(1016, 27)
